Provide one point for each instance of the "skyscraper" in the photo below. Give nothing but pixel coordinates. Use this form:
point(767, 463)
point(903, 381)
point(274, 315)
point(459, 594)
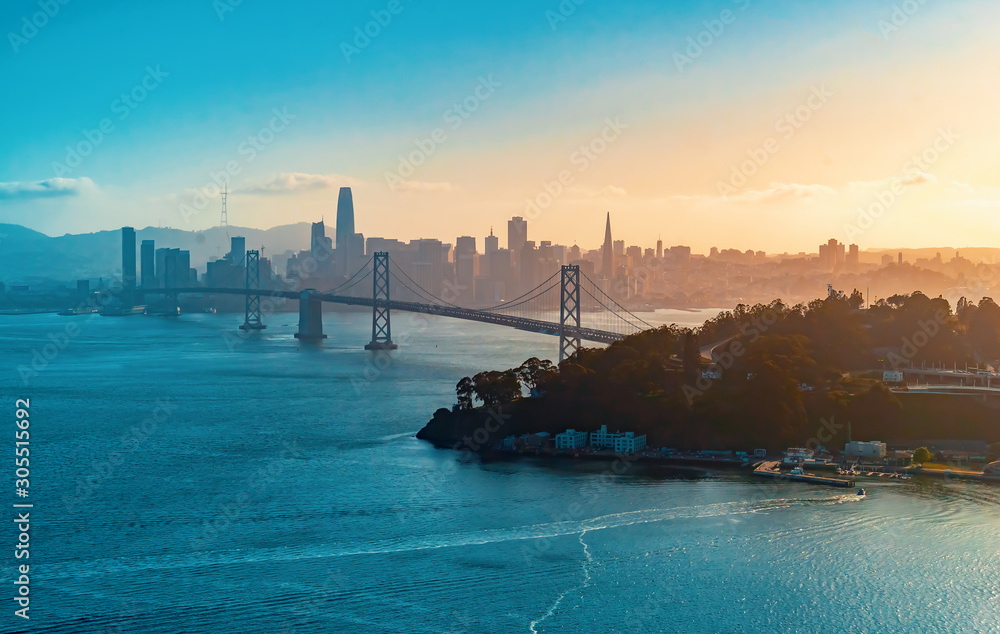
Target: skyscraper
point(607, 252)
point(465, 266)
point(128, 266)
point(345, 218)
point(237, 250)
point(147, 259)
point(517, 233)
point(319, 245)
point(492, 242)
point(659, 249)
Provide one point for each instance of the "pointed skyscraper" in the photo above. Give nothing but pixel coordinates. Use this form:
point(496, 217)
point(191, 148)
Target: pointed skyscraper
point(345, 218)
point(607, 252)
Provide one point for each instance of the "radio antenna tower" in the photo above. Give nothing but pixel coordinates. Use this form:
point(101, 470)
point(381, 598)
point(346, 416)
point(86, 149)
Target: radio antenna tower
point(225, 219)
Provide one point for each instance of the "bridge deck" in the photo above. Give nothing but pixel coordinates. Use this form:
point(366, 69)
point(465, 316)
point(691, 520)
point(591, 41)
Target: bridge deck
point(499, 319)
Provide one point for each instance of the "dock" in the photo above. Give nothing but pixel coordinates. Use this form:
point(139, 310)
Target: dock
point(770, 469)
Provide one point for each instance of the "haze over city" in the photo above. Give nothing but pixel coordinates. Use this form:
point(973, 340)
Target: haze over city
point(752, 125)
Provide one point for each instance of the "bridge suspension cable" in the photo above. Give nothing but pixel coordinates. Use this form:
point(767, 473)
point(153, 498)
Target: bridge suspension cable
point(510, 302)
point(618, 317)
point(365, 268)
point(434, 298)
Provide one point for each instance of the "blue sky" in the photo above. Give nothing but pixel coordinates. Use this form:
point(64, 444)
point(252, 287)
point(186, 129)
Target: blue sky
point(220, 74)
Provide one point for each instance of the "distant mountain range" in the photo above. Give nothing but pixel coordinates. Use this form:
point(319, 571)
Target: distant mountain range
point(28, 256)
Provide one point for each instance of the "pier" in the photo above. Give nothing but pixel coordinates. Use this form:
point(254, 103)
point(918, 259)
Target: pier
point(770, 469)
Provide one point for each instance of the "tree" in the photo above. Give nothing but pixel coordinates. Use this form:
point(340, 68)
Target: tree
point(534, 372)
point(496, 388)
point(921, 455)
point(691, 355)
point(464, 390)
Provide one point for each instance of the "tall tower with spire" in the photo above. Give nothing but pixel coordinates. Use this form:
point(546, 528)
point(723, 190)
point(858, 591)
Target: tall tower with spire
point(607, 252)
point(345, 218)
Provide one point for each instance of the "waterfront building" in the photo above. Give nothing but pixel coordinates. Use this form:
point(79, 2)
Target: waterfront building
point(630, 443)
point(538, 441)
point(795, 455)
point(571, 439)
point(892, 376)
point(859, 449)
point(603, 439)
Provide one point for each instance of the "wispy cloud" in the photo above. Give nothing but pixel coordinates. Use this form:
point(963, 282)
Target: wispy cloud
point(294, 182)
point(776, 192)
point(51, 188)
point(910, 180)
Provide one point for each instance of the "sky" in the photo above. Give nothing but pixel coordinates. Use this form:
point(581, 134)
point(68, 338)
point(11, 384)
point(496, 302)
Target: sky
point(750, 124)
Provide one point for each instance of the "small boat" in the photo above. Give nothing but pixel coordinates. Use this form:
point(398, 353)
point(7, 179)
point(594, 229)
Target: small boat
point(861, 492)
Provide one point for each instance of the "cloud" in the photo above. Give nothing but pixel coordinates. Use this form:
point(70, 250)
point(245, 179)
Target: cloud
point(51, 188)
point(910, 180)
point(776, 192)
point(424, 187)
point(293, 182)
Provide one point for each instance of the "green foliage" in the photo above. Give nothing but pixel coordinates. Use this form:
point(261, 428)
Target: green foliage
point(782, 369)
point(921, 455)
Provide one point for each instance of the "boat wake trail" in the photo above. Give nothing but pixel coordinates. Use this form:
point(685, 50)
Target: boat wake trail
point(588, 560)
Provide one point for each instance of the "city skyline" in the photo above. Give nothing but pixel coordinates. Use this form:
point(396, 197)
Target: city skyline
point(877, 107)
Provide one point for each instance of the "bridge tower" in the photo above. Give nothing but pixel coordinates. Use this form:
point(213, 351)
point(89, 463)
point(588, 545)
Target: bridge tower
point(381, 327)
point(253, 320)
point(569, 311)
point(310, 316)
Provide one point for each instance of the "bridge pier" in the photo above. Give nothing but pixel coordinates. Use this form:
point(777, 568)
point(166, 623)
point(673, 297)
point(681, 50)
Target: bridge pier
point(381, 326)
point(310, 317)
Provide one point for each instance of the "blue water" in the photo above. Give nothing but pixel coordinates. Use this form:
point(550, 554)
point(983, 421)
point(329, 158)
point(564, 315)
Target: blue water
point(280, 489)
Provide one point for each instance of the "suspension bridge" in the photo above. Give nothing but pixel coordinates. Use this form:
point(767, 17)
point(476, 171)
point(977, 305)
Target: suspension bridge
point(568, 305)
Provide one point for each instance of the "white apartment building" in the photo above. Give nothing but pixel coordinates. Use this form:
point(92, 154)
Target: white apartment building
point(571, 439)
point(603, 439)
point(629, 442)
